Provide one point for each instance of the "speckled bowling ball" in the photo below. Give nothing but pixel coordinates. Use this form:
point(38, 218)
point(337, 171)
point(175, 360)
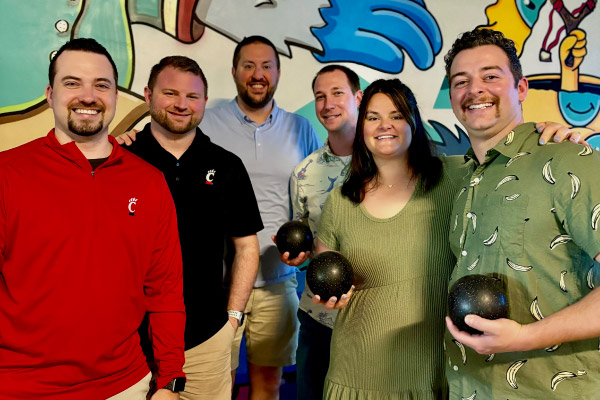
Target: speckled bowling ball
point(476, 294)
point(329, 274)
point(294, 237)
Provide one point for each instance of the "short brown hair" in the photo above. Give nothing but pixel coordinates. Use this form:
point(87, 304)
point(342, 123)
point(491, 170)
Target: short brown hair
point(482, 37)
point(180, 63)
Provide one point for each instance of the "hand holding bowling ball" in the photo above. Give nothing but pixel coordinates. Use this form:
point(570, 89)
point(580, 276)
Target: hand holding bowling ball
point(476, 294)
point(329, 274)
point(294, 237)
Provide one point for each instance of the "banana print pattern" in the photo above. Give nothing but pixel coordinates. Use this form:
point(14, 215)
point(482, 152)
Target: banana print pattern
point(547, 173)
point(595, 217)
point(575, 184)
point(471, 397)
point(476, 180)
point(463, 353)
point(474, 264)
point(517, 267)
point(561, 376)
point(590, 277)
point(464, 189)
point(490, 357)
point(492, 239)
point(561, 283)
point(587, 150)
point(534, 309)
point(560, 239)
point(473, 218)
point(511, 373)
point(455, 223)
point(507, 179)
point(509, 138)
point(512, 197)
point(516, 157)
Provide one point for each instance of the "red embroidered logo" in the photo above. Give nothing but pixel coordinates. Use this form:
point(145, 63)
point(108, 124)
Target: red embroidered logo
point(210, 176)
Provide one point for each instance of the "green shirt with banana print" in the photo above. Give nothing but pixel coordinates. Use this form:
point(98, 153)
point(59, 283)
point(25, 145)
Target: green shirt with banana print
point(529, 215)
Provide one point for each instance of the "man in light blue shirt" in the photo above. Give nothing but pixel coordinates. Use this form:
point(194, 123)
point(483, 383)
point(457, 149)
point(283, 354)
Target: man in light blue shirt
point(271, 142)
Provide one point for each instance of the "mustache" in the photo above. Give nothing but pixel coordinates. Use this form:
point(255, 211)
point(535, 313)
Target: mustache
point(492, 99)
point(95, 105)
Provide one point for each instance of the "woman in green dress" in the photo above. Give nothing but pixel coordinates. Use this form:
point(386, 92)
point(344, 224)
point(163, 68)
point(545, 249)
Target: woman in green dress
point(391, 220)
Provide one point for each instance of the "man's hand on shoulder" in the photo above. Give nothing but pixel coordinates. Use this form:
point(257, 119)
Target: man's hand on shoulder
point(164, 394)
point(127, 138)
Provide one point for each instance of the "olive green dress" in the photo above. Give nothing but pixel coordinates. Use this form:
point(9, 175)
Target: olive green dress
point(388, 342)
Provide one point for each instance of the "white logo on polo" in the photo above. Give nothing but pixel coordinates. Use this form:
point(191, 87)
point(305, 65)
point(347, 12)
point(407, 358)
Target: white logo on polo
point(210, 176)
point(131, 206)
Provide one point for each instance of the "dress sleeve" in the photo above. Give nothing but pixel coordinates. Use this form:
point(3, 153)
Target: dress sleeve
point(163, 290)
point(327, 232)
point(576, 196)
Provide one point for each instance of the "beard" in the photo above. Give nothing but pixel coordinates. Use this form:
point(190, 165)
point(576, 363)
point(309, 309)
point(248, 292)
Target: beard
point(162, 118)
point(84, 127)
point(254, 102)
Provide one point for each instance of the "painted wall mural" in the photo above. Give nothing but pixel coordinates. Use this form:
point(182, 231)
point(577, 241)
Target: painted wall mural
point(558, 42)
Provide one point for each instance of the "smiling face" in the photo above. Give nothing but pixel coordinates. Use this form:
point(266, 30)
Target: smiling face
point(256, 75)
point(177, 101)
point(335, 104)
point(483, 94)
point(83, 95)
point(386, 133)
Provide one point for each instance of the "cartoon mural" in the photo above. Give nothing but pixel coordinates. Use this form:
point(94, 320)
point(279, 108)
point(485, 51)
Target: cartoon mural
point(569, 97)
point(377, 38)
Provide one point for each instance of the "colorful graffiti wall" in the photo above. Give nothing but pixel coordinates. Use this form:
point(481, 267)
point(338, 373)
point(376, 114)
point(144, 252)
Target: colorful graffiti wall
point(558, 41)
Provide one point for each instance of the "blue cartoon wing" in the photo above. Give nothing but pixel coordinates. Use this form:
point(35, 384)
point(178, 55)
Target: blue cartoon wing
point(376, 32)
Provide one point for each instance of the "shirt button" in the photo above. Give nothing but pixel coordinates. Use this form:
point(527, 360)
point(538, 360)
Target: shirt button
point(469, 215)
point(463, 253)
point(177, 178)
point(177, 164)
point(476, 180)
point(258, 144)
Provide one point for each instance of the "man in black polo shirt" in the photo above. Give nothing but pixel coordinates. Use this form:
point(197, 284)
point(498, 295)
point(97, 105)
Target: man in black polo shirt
point(215, 202)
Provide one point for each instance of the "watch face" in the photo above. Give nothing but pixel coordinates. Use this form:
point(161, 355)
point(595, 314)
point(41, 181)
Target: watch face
point(178, 385)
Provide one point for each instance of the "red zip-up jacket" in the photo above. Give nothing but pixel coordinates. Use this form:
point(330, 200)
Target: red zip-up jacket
point(83, 255)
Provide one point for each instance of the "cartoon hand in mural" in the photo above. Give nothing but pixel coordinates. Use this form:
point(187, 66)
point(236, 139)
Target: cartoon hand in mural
point(572, 52)
point(374, 33)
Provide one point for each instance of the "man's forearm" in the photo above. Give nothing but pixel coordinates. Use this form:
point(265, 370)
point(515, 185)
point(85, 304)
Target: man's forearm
point(244, 270)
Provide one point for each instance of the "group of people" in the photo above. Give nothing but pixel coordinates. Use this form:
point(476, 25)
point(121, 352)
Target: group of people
point(118, 242)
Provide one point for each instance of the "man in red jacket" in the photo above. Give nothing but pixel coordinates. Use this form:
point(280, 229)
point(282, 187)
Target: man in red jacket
point(88, 244)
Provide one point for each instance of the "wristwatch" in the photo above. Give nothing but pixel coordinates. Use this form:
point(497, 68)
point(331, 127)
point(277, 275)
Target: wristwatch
point(237, 315)
point(176, 385)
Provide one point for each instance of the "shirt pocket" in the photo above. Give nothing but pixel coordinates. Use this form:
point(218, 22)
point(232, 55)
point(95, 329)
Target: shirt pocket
point(502, 223)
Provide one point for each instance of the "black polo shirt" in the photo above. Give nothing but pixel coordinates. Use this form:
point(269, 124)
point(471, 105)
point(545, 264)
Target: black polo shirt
point(214, 200)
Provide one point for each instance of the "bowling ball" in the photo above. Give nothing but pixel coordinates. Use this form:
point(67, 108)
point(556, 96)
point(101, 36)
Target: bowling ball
point(476, 294)
point(329, 274)
point(294, 237)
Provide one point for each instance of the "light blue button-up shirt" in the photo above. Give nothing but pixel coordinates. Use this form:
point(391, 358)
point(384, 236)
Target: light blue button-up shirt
point(270, 152)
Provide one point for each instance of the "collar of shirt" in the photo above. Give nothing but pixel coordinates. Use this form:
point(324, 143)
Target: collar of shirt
point(509, 146)
point(147, 139)
point(329, 156)
point(244, 119)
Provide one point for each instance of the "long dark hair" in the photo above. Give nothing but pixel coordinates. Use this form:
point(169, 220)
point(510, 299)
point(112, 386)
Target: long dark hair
point(420, 153)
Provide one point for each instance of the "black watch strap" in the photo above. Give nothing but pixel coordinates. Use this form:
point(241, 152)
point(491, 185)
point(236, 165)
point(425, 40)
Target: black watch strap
point(176, 385)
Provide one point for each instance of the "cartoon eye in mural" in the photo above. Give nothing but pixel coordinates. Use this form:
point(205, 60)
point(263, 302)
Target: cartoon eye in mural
point(61, 26)
point(375, 34)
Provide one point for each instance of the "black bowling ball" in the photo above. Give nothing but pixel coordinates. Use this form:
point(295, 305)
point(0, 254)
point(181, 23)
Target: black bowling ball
point(329, 274)
point(294, 237)
point(477, 294)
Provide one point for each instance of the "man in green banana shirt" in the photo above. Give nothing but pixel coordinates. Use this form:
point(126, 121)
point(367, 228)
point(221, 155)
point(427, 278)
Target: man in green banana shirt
point(529, 215)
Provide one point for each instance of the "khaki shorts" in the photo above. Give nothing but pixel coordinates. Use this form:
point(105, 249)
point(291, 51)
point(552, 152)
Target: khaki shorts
point(270, 326)
point(208, 367)
point(135, 392)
